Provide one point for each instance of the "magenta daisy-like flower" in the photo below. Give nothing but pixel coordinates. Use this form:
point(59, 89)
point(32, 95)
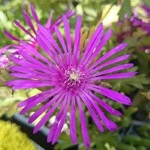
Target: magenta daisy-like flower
point(71, 79)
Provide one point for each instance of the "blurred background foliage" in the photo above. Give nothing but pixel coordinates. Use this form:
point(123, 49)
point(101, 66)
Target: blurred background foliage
point(134, 133)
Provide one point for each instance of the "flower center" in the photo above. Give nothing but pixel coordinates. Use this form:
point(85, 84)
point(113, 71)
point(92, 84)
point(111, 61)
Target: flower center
point(73, 78)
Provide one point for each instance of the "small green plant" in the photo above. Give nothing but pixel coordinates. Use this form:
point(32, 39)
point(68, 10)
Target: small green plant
point(11, 138)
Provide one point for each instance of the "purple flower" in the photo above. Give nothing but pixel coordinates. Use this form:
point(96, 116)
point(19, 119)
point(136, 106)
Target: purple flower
point(32, 29)
point(71, 79)
point(146, 9)
point(129, 26)
point(3, 61)
point(138, 23)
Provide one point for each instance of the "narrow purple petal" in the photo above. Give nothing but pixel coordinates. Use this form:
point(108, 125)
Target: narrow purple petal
point(105, 105)
point(23, 29)
point(85, 99)
point(49, 41)
point(60, 37)
point(34, 52)
point(77, 38)
point(59, 128)
point(37, 98)
point(49, 21)
point(5, 48)
point(45, 107)
point(47, 116)
point(111, 94)
point(35, 85)
point(61, 123)
point(99, 47)
point(112, 52)
point(27, 64)
point(55, 45)
point(67, 33)
point(30, 76)
point(114, 69)
point(43, 32)
point(69, 13)
point(59, 20)
point(57, 120)
point(28, 71)
point(31, 59)
point(90, 46)
point(40, 98)
point(9, 35)
point(115, 76)
point(95, 66)
point(73, 132)
point(84, 129)
point(28, 20)
point(21, 81)
point(34, 14)
point(25, 84)
point(29, 100)
point(110, 125)
point(46, 47)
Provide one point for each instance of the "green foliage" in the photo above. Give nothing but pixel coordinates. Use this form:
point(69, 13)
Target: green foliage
point(129, 85)
point(147, 2)
point(126, 9)
point(9, 99)
point(11, 138)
